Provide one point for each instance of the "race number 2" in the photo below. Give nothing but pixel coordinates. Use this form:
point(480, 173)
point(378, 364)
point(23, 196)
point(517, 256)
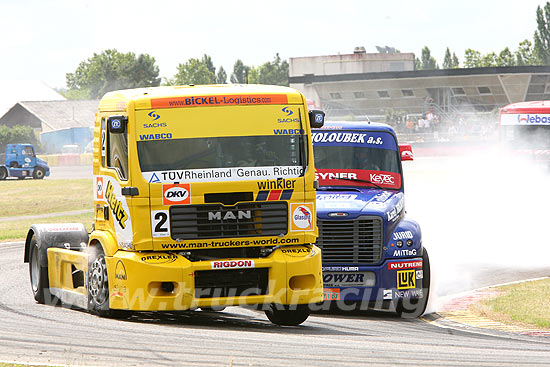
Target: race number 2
point(159, 223)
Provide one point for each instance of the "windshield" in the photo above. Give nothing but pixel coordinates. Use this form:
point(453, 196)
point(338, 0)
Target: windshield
point(219, 152)
point(526, 137)
point(373, 157)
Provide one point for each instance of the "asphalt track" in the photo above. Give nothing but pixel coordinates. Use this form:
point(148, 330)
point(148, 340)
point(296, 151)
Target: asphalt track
point(34, 333)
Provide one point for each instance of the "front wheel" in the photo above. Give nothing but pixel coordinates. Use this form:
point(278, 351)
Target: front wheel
point(98, 284)
point(286, 315)
point(415, 307)
point(38, 173)
point(3, 173)
point(40, 283)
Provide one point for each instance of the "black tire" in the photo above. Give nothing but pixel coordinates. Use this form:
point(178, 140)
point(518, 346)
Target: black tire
point(38, 173)
point(3, 173)
point(40, 283)
point(287, 315)
point(415, 308)
point(98, 283)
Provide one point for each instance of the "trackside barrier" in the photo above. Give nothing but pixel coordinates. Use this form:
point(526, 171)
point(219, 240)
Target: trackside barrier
point(67, 159)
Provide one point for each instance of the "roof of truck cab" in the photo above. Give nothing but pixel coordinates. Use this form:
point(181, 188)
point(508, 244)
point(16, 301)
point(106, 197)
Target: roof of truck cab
point(119, 100)
point(527, 107)
point(356, 125)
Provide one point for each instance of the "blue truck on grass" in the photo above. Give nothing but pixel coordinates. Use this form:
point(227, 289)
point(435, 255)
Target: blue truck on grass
point(20, 161)
point(372, 253)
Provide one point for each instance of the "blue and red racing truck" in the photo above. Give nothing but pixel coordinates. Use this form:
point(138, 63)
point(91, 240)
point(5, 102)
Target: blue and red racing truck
point(372, 254)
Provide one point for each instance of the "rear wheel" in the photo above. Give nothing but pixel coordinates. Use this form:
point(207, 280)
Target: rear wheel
point(40, 283)
point(416, 307)
point(286, 316)
point(38, 173)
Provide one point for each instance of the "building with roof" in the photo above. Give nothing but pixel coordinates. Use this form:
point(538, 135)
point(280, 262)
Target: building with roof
point(14, 91)
point(369, 85)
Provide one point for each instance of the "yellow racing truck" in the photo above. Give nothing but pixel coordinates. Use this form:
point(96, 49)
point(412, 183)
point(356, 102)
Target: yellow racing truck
point(204, 198)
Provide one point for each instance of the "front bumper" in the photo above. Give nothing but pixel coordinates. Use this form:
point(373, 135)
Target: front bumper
point(155, 281)
point(392, 280)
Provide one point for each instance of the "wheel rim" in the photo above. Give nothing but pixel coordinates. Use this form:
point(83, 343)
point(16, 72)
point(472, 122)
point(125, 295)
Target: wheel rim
point(35, 270)
point(3, 174)
point(99, 289)
point(39, 173)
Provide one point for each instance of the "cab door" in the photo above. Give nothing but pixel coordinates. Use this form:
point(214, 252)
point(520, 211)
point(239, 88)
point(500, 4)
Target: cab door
point(113, 184)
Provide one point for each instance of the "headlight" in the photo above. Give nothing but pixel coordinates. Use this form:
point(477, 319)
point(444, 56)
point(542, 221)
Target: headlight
point(399, 243)
point(409, 242)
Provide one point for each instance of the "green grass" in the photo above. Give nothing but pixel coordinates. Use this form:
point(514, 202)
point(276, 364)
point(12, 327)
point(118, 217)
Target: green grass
point(17, 230)
point(30, 197)
point(524, 304)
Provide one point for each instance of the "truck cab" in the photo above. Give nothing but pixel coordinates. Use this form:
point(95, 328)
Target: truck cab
point(372, 253)
point(21, 161)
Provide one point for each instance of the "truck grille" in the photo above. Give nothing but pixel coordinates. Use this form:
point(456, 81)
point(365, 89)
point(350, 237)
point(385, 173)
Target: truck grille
point(231, 283)
point(357, 241)
point(218, 221)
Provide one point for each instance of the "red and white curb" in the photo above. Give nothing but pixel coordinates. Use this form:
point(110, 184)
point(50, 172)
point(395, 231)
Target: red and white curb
point(455, 309)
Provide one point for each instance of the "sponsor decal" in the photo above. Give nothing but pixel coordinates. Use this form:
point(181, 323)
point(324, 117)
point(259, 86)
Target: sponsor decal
point(224, 174)
point(148, 126)
point(340, 268)
point(154, 115)
point(279, 184)
point(405, 265)
point(331, 294)
point(336, 197)
point(405, 252)
point(344, 279)
point(269, 195)
point(288, 131)
point(533, 119)
point(302, 217)
point(176, 194)
point(381, 178)
point(420, 274)
point(99, 188)
point(296, 251)
point(388, 294)
point(382, 197)
point(287, 110)
point(416, 293)
point(158, 258)
point(61, 228)
point(403, 235)
point(120, 271)
point(394, 213)
point(232, 264)
point(406, 279)
point(126, 245)
point(335, 175)
point(161, 136)
point(116, 206)
point(219, 100)
point(229, 215)
point(358, 138)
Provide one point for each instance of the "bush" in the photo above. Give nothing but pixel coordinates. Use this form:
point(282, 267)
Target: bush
point(17, 135)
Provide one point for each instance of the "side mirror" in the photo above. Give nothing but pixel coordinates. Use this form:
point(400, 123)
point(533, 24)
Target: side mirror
point(316, 118)
point(406, 152)
point(117, 124)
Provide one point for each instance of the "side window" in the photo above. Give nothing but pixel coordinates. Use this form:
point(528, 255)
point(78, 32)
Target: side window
point(103, 140)
point(117, 153)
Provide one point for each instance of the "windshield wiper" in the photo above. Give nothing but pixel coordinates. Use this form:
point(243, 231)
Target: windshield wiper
point(360, 180)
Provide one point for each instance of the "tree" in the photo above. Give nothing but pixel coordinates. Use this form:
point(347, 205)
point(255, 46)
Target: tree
point(450, 62)
point(524, 54)
point(506, 58)
point(472, 58)
point(194, 71)
point(240, 73)
point(417, 64)
point(17, 134)
point(489, 60)
point(112, 70)
point(541, 48)
point(428, 62)
point(221, 76)
point(274, 73)
point(207, 60)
